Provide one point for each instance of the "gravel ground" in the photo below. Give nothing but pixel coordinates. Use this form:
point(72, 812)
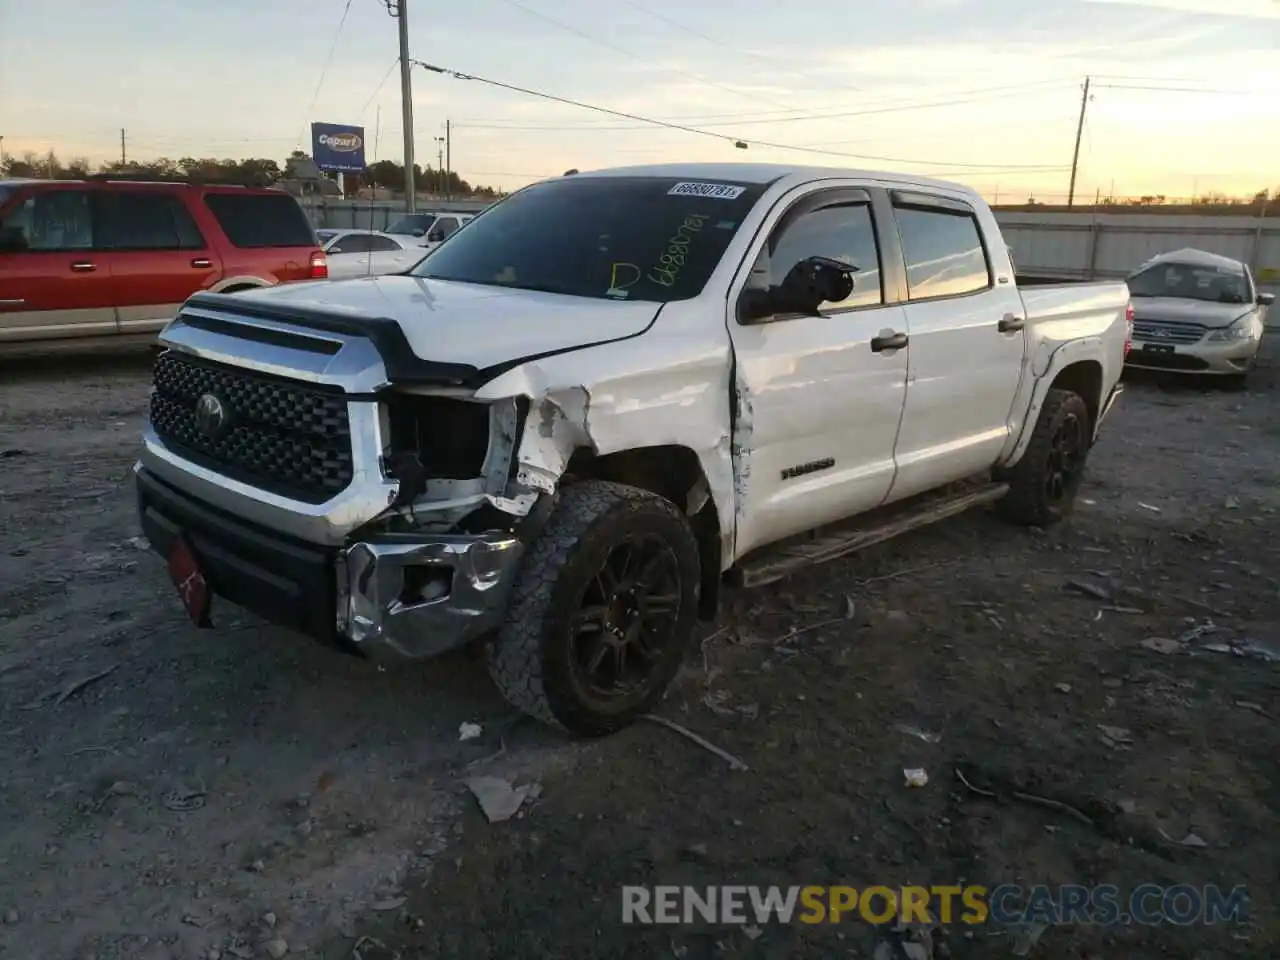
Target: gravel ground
point(169, 793)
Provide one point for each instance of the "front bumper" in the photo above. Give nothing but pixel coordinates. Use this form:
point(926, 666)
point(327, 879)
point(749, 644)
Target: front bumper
point(390, 597)
point(1212, 357)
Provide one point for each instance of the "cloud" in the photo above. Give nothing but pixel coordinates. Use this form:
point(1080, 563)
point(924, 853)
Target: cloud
point(1248, 9)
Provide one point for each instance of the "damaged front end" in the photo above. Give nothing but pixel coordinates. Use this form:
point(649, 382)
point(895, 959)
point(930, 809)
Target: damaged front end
point(332, 497)
point(436, 570)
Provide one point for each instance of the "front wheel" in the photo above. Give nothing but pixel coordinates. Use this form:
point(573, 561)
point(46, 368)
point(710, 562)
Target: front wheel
point(1043, 484)
point(603, 609)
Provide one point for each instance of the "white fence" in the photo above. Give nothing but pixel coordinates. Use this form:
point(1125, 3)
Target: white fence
point(1085, 245)
point(374, 214)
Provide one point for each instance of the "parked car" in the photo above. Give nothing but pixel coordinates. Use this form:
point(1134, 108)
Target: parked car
point(429, 229)
point(1197, 312)
point(108, 261)
point(562, 431)
point(369, 253)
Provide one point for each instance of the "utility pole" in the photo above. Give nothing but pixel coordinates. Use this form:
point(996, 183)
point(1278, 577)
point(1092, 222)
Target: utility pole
point(401, 13)
point(440, 160)
point(448, 160)
point(123, 159)
point(1075, 157)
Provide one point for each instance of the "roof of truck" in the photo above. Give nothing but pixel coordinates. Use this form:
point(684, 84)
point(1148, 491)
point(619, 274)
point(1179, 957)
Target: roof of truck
point(766, 173)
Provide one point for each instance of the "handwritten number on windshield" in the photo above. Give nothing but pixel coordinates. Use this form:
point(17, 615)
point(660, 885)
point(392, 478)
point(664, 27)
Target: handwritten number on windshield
point(669, 265)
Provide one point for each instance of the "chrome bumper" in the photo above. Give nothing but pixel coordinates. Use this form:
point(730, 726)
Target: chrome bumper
point(415, 596)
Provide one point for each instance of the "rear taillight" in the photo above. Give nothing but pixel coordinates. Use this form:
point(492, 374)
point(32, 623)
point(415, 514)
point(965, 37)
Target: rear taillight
point(319, 266)
point(1128, 329)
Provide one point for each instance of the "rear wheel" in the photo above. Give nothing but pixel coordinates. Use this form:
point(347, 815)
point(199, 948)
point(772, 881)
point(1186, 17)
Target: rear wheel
point(603, 609)
point(1043, 484)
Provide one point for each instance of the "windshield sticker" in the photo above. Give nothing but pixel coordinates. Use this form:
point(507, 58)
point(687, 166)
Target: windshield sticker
point(622, 277)
point(712, 191)
point(672, 260)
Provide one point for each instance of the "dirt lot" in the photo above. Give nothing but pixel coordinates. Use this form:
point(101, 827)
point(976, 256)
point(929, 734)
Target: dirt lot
point(169, 793)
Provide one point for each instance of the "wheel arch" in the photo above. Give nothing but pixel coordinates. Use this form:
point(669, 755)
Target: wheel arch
point(1083, 375)
point(676, 473)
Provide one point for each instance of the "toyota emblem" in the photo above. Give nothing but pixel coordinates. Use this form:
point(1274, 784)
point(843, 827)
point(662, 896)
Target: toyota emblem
point(211, 416)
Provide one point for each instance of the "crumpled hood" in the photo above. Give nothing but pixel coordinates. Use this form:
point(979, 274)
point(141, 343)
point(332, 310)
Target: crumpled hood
point(1212, 315)
point(467, 323)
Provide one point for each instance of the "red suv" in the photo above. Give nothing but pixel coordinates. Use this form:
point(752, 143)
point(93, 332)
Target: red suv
point(104, 261)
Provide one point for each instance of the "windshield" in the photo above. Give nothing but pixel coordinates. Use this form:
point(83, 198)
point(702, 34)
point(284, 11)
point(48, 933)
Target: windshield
point(639, 238)
point(413, 223)
point(1187, 282)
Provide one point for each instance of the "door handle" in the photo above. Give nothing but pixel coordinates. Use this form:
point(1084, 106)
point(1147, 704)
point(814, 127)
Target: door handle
point(1010, 323)
point(201, 263)
point(895, 341)
point(83, 266)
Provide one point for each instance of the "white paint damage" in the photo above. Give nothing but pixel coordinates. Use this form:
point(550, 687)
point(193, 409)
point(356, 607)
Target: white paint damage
point(609, 399)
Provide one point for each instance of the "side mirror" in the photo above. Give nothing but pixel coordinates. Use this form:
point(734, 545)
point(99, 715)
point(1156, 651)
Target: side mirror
point(1266, 299)
point(435, 236)
point(418, 231)
point(334, 250)
point(807, 286)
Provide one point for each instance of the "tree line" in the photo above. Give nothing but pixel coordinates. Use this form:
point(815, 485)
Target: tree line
point(385, 173)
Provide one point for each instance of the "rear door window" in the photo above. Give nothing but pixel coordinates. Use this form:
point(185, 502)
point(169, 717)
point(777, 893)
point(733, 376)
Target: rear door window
point(261, 220)
point(145, 220)
point(49, 221)
point(352, 243)
point(944, 251)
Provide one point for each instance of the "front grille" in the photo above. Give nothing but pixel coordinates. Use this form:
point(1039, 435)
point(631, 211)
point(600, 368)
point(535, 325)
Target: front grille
point(283, 436)
point(1167, 331)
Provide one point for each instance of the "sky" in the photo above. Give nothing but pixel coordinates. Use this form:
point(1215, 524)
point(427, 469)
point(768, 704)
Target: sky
point(1185, 93)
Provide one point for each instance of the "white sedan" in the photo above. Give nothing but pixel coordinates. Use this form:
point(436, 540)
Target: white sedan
point(367, 253)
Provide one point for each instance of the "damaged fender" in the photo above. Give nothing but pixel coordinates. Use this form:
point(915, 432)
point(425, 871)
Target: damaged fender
point(643, 406)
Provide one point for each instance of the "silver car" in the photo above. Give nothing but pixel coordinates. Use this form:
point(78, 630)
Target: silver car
point(1196, 312)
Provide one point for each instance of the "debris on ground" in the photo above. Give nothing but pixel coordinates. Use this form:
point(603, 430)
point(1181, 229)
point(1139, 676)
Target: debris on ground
point(1149, 506)
point(1190, 840)
point(469, 731)
point(916, 732)
point(1025, 937)
point(916, 776)
point(734, 762)
point(184, 799)
point(1117, 738)
point(277, 948)
point(1088, 589)
point(1253, 649)
point(499, 798)
point(1162, 645)
point(370, 948)
point(1062, 687)
point(71, 689)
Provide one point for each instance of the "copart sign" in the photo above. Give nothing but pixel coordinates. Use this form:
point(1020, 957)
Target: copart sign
point(337, 147)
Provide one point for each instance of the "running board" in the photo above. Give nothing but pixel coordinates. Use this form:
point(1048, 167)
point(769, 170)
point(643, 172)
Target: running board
point(775, 563)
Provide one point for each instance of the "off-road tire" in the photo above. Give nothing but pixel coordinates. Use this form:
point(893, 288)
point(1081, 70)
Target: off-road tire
point(1028, 502)
point(529, 658)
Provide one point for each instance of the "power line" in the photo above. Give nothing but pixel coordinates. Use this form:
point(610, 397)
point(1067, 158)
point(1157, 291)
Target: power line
point(324, 71)
point(756, 119)
point(741, 144)
point(378, 89)
point(519, 5)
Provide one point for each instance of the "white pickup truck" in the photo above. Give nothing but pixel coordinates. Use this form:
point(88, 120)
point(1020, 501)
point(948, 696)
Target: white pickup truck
point(563, 431)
